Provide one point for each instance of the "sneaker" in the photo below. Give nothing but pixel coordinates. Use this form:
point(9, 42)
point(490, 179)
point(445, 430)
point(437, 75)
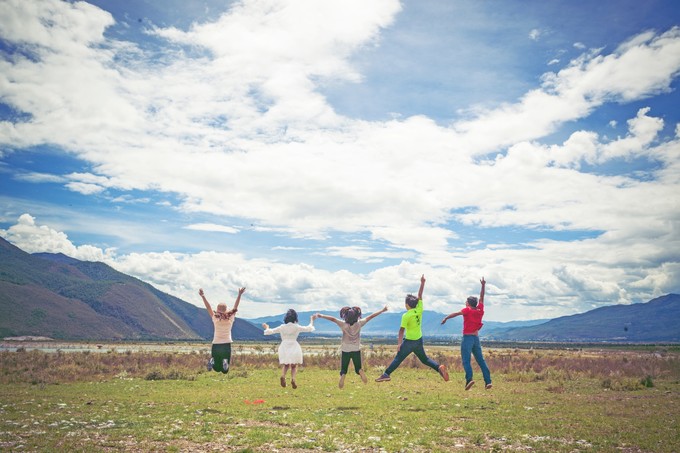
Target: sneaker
point(293, 384)
point(283, 381)
point(469, 385)
point(225, 366)
point(489, 386)
point(444, 373)
point(363, 376)
point(341, 384)
point(211, 363)
point(383, 378)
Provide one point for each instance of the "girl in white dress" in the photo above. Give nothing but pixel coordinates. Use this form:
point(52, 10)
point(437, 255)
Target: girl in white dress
point(290, 352)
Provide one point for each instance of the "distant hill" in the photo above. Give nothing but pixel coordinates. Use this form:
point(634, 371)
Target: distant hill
point(655, 321)
point(387, 324)
point(61, 297)
point(57, 296)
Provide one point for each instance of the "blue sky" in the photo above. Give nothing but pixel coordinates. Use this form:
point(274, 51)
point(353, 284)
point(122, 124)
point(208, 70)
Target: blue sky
point(325, 154)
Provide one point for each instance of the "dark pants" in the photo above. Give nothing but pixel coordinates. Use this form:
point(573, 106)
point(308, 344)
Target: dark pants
point(354, 356)
point(220, 352)
point(408, 347)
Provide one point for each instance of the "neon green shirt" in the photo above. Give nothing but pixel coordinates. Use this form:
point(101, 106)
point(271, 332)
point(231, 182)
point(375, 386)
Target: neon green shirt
point(412, 320)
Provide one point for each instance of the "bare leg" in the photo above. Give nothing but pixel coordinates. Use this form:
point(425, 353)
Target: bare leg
point(284, 370)
point(293, 373)
point(341, 384)
point(363, 376)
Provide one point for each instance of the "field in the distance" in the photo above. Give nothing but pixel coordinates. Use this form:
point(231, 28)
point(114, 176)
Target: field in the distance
point(141, 400)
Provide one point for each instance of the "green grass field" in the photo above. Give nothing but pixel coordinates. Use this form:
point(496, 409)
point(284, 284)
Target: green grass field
point(551, 400)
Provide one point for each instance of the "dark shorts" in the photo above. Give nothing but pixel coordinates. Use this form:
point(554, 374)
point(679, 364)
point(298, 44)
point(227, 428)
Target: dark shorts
point(354, 356)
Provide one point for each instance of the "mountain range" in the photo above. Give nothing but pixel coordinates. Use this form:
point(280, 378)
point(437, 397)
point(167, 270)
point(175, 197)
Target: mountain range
point(60, 297)
point(56, 296)
point(387, 324)
point(655, 321)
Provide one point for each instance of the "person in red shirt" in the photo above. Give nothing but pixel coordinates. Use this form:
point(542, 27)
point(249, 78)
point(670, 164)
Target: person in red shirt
point(472, 322)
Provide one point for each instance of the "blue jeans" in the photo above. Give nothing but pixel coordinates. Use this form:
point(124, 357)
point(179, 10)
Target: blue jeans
point(472, 346)
point(408, 347)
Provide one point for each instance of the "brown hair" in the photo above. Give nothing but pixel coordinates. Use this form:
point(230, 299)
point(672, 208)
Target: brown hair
point(350, 314)
point(411, 301)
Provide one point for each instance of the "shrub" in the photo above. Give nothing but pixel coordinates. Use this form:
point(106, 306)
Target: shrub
point(155, 375)
point(647, 381)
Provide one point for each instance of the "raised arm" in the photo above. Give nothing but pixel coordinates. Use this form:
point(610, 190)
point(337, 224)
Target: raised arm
point(373, 315)
point(268, 331)
point(329, 318)
point(452, 315)
point(310, 326)
point(205, 301)
point(238, 300)
point(481, 292)
point(422, 287)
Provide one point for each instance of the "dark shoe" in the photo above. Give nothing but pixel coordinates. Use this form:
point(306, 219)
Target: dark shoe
point(283, 381)
point(293, 384)
point(444, 373)
point(469, 385)
point(489, 386)
point(383, 378)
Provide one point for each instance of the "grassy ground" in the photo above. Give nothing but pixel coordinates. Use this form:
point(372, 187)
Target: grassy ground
point(541, 401)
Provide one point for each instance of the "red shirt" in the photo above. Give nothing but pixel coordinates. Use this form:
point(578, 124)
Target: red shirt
point(472, 319)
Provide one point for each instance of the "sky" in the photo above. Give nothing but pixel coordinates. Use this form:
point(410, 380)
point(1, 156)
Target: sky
point(327, 153)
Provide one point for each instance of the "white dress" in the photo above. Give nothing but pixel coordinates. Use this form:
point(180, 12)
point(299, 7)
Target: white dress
point(290, 352)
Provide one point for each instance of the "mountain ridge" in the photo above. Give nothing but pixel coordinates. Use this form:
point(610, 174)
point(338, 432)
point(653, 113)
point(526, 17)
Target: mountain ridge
point(64, 298)
point(58, 296)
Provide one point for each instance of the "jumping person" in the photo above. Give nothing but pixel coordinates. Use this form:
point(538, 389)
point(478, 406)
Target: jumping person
point(350, 346)
point(290, 352)
point(410, 339)
point(472, 322)
point(223, 320)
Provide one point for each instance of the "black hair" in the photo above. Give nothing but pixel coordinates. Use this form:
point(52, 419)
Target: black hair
point(291, 316)
point(350, 314)
point(411, 301)
point(472, 300)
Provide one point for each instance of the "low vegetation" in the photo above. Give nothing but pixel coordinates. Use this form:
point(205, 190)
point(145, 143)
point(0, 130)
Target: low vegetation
point(542, 400)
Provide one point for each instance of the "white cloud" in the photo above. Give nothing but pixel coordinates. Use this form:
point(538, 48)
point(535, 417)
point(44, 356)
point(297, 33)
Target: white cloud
point(242, 131)
point(583, 146)
point(543, 279)
point(84, 188)
point(260, 143)
point(631, 72)
point(367, 254)
point(212, 227)
point(32, 238)
point(39, 177)
point(534, 34)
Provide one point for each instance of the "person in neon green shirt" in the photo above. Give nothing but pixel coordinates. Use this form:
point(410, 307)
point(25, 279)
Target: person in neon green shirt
point(410, 339)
